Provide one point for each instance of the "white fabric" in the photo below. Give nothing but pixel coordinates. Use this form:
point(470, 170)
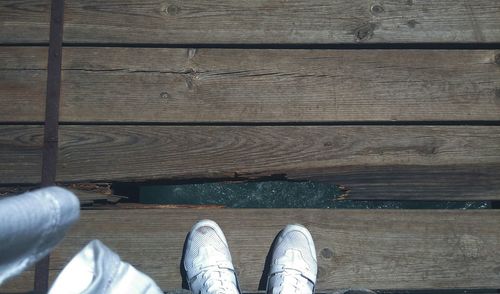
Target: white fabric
point(97, 269)
point(31, 224)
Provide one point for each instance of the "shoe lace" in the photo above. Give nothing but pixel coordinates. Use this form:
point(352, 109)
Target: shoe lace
point(219, 281)
point(291, 281)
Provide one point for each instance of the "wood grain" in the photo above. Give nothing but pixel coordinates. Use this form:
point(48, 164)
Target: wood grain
point(20, 154)
point(410, 182)
point(404, 249)
point(159, 152)
point(230, 85)
point(24, 21)
point(23, 76)
point(276, 21)
point(383, 162)
point(257, 22)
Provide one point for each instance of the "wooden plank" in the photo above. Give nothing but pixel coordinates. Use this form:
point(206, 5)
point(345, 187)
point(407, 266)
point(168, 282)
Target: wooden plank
point(99, 153)
point(405, 182)
point(275, 21)
point(20, 154)
point(255, 22)
point(389, 162)
point(390, 249)
point(23, 77)
point(231, 85)
point(24, 21)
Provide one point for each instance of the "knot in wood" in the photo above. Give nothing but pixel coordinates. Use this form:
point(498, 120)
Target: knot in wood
point(173, 9)
point(365, 32)
point(497, 59)
point(377, 9)
point(164, 95)
point(497, 93)
point(412, 23)
point(326, 253)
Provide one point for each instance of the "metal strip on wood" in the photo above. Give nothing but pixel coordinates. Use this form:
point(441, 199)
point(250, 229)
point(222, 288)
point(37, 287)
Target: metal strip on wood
point(51, 130)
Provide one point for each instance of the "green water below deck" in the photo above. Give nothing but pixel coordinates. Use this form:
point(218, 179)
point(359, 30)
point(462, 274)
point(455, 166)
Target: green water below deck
point(280, 194)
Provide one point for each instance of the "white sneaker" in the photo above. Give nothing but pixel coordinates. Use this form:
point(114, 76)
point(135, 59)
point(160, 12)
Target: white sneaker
point(207, 261)
point(293, 266)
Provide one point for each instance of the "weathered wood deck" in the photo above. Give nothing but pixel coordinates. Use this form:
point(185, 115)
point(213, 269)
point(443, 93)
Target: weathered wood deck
point(391, 99)
point(402, 249)
point(256, 22)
